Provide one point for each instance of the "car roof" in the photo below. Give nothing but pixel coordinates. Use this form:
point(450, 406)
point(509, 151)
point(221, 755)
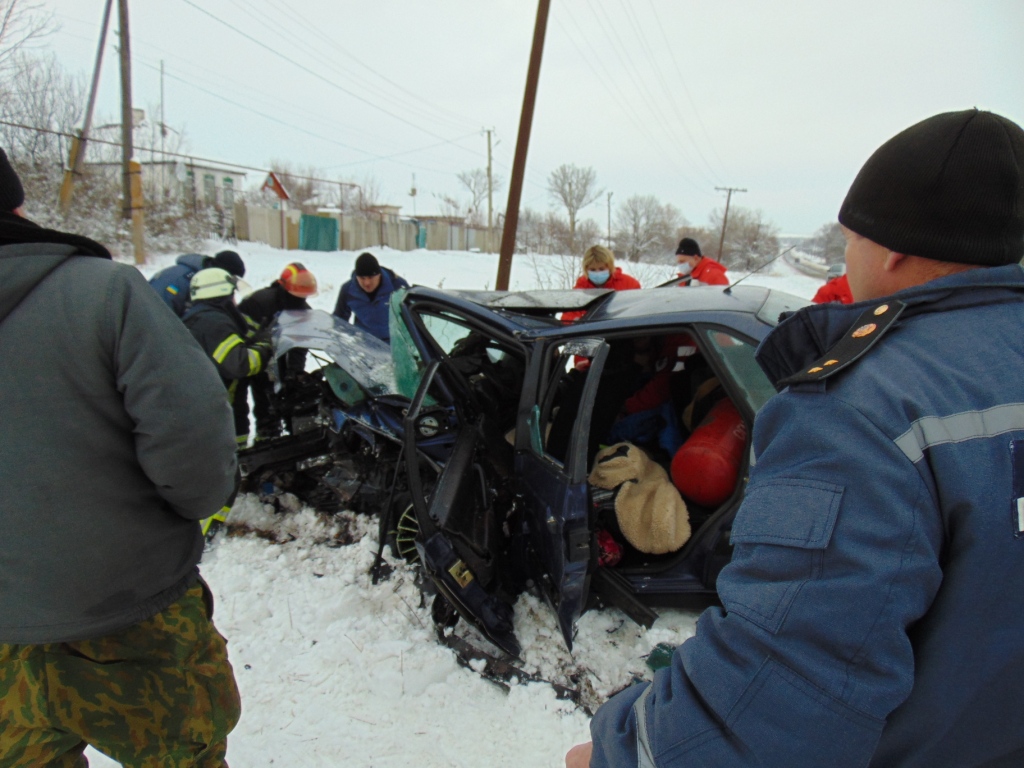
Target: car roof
point(517, 310)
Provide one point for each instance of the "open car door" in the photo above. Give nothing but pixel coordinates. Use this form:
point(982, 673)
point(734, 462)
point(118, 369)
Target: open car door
point(460, 507)
point(553, 449)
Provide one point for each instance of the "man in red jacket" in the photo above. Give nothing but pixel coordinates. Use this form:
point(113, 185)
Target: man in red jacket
point(699, 268)
point(837, 287)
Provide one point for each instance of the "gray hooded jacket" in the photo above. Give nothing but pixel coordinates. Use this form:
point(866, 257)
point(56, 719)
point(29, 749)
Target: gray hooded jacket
point(116, 440)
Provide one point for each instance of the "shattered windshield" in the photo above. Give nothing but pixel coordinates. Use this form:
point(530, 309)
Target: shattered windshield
point(363, 356)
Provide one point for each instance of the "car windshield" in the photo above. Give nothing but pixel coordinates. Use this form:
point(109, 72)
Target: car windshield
point(738, 357)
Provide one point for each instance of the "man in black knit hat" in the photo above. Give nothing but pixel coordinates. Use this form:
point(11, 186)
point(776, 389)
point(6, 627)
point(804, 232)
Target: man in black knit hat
point(367, 295)
point(117, 441)
point(872, 613)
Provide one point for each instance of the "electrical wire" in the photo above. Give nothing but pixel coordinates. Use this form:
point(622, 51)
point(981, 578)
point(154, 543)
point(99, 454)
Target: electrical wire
point(317, 75)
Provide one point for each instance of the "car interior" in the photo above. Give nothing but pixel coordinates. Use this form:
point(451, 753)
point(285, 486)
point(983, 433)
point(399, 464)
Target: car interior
point(657, 393)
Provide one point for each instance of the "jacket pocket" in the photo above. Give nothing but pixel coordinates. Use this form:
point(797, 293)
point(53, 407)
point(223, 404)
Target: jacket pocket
point(780, 534)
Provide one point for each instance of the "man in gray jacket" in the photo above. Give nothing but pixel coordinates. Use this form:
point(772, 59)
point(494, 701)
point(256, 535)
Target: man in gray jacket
point(117, 441)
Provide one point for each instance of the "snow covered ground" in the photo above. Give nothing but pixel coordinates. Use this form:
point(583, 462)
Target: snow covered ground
point(336, 671)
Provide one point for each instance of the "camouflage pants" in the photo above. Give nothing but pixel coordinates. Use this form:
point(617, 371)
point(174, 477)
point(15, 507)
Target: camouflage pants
point(160, 693)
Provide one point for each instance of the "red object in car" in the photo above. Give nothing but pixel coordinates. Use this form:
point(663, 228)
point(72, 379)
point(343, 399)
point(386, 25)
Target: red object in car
point(705, 468)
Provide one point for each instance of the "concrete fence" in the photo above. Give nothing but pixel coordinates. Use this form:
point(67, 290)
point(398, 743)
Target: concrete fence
point(355, 231)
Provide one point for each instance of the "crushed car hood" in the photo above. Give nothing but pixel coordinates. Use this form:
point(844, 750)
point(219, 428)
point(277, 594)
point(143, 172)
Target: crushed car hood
point(365, 357)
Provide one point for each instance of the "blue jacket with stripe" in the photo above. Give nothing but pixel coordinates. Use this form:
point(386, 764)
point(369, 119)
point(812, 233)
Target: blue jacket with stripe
point(371, 312)
point(172, 283)
point(873, 610)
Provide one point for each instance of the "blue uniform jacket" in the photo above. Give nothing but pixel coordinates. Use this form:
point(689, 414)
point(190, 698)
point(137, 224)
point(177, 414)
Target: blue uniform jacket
point(371, 312)
point(172, 283)
point(873, 610)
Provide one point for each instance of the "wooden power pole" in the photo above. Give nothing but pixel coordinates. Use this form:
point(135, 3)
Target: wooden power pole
point(131, 171)
point(515, 188)
point(725, 217)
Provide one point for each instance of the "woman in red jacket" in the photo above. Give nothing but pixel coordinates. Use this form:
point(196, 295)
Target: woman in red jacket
point(599, 271)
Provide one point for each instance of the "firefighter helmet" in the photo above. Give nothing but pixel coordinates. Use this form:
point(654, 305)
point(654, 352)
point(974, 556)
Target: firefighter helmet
point(298, 281)
point(212, 283)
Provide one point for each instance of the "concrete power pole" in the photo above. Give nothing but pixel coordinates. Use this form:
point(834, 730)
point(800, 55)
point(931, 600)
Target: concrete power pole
point(131, 186)
point(725, 217)
point(76, 156)
point(490, 196)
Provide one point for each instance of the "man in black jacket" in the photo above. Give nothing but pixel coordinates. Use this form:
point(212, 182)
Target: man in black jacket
point(288, 292)
point(231, 339)
point(117, 441)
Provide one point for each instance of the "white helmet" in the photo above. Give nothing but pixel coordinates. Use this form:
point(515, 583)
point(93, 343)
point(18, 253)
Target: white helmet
point(212, 283)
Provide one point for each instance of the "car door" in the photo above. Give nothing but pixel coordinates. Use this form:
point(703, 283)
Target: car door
point(468, 365)
point(551, 471)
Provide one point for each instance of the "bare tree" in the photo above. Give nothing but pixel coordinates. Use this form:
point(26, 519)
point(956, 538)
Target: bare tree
point(449, 207)
point(475, 182)
point(39, 94)
point(574, 188)
point(645, 229)
point(20, 24)
point(750, 240)
point(828, 244)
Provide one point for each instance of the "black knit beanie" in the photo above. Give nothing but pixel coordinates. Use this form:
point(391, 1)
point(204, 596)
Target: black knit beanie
point(688, 247)
point(367, 265)
point(950, 188)
point(12, 194)
point(231, 262)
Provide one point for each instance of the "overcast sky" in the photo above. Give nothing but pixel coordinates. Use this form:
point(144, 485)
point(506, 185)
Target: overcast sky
point(672, 98)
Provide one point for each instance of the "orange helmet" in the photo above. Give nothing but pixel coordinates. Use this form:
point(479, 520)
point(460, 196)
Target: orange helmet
point(298, 281)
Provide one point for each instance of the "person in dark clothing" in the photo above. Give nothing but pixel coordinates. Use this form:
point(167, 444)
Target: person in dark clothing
point(117, 442)
point(870, 613)
point(172, 283)
point(288, 292)
point(367, 296)
point(231, 339)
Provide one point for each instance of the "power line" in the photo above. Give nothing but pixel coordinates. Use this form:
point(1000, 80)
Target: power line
point(291, 13)
point(305, 46)
point(642, 38)
point(682, 81)
point(317, 75)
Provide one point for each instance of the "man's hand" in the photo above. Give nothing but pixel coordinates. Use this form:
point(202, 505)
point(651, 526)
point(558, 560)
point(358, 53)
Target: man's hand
point(579, 756)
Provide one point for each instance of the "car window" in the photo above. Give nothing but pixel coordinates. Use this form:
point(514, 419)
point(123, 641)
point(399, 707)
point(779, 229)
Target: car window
point(408, 362)
point(737, 355)
point(446, 331)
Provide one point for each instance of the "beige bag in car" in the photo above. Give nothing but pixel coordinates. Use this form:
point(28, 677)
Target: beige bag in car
point(651, 513)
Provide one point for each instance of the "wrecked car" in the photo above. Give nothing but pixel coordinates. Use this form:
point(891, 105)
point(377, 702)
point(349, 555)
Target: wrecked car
point(599, 462)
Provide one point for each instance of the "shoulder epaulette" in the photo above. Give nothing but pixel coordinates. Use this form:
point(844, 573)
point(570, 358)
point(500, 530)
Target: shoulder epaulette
point(854, 344)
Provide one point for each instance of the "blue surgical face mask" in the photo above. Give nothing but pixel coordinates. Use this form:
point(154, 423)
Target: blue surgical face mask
point(685, 268)
point(598, 276)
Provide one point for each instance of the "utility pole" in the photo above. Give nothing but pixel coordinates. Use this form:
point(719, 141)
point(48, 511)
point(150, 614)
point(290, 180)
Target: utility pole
point(725, 217)
point(131, 188)
point(515, 189)
point(610, 219)
point(490, 192)
point(76, 155)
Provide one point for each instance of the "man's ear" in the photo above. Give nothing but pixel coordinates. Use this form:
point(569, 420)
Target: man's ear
point(892, 261)
point(19, 211)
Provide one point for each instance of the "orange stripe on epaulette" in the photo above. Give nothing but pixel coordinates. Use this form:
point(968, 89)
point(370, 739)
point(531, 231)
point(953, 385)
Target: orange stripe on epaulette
point(861, 337)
